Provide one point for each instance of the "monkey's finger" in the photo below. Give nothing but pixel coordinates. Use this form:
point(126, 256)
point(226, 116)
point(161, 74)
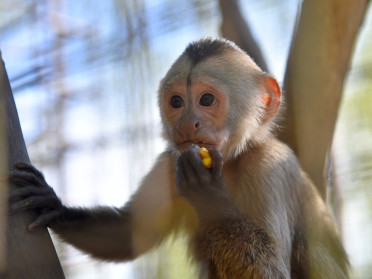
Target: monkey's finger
point(187, 182)
point(180, 171)
point(181, 179)
point(185, 163)
point(44, 220)
point(195, 169)
point(216, 161)
point(26, 192)
point(31, 203)
point(29, 168)
point(186, 171)
point(23, 179)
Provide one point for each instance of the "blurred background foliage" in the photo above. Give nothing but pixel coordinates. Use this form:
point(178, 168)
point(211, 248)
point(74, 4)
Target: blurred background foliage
point(85, 75)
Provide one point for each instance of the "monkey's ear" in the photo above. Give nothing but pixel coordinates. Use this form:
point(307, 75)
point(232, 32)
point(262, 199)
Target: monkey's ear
point(271, 97)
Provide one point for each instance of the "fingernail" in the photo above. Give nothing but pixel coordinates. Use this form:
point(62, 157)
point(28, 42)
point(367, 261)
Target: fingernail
point(31, 227)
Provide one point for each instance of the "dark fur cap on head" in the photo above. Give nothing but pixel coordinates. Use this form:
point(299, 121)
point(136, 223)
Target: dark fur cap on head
point(207, 47)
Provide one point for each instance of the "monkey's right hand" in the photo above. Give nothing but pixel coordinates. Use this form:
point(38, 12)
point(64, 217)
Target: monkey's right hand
point(33, 193)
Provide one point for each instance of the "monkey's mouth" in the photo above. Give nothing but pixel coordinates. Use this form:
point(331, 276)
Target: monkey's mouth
point(185, 144)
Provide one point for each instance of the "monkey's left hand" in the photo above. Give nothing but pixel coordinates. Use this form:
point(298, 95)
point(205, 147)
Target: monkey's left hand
point(204, 188)
point(33, 193)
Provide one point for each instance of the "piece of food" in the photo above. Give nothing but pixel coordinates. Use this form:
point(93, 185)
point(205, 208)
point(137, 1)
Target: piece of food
point(206, 158)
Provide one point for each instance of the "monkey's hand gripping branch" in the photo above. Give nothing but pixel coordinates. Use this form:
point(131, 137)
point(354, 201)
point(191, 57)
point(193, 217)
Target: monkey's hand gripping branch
point(104, 232)
point(33, 193)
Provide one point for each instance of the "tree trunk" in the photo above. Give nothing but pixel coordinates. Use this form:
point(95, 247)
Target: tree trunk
point(319, 59)
point(29, 255)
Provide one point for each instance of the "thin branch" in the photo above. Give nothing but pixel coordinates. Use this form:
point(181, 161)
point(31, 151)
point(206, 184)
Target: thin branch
point(235, 28)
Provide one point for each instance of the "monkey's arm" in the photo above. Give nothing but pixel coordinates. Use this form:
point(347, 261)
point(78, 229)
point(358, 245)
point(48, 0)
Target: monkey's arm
point(236, 247)
point(104, 232)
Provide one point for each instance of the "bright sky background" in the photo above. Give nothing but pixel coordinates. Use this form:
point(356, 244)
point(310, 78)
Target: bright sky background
point(109, 174)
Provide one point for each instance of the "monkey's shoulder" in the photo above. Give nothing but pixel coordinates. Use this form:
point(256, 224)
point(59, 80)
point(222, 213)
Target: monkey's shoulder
point(272, 155)
point(270, 166)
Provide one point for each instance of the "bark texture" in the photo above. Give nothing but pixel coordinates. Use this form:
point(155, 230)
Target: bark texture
point(29, 255)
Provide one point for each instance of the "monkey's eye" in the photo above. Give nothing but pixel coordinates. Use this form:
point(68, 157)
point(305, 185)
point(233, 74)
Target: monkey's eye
point(176, 101)
point(207, 100)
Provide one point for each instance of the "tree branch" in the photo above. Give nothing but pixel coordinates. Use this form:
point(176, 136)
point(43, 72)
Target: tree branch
point(319, 59)
point(235, 28)
point(29, 255)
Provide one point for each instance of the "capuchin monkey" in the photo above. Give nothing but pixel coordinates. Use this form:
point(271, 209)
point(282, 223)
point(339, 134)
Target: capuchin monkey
point(253, 214)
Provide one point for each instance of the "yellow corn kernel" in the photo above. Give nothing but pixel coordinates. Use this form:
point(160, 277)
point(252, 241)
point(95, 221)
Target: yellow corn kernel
point(206, 158)
point(207, 162)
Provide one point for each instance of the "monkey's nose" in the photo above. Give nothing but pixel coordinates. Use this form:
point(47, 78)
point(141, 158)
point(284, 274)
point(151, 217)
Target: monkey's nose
point(188, 127)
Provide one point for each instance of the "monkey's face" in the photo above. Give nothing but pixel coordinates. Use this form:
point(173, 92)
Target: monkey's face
point(196, 113)
point(214, 95)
